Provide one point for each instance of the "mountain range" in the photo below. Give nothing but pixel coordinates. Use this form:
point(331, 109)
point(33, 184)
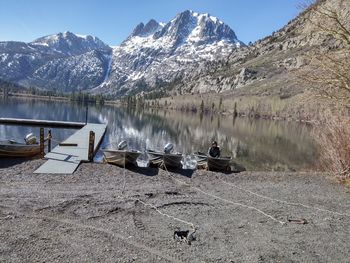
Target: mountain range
point(191, 54)
point(154, 54)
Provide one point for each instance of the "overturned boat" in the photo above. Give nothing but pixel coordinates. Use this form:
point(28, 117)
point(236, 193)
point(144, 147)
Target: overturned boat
point(166, 158)
point(12, 148)
point(213, 163)
point(121, 156)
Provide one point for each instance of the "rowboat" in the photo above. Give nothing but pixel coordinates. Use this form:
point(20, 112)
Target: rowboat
point(214, 163)
point(219, 164)
point(169, 160)
point(121, 157)
point(11, 148)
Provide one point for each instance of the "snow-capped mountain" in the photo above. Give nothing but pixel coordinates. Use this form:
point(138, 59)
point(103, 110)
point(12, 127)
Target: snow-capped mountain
point(71, 44)
point(63, 61)
point(159, 53)
point(154, 54)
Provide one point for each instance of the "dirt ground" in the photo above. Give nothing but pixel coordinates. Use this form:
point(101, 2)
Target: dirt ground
point(101, 214)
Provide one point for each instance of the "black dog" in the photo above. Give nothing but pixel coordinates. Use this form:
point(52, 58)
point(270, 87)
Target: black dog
point(178, 234)
point(185, 236)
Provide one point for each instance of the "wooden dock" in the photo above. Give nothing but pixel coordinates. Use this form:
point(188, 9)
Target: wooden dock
point(66, 159)
point(42, 123)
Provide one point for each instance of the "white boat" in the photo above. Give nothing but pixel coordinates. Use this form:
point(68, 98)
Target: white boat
point(121, 156)
point(166, 158)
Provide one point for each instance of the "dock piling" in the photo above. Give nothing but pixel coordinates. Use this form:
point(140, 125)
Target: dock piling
point(42, 150)
point(86, 114)
point(49, 141)
point(91, 146)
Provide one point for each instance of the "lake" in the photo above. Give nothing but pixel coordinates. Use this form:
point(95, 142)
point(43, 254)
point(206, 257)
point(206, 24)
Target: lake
point(257, 144)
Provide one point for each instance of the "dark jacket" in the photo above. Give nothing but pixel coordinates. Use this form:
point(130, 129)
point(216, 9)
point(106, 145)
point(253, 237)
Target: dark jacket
point(214, 151)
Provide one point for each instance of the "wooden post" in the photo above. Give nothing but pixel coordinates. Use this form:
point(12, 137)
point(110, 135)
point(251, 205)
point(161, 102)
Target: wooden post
point(86, 114)
point(49, 141)
point(6, 92)
point(42, 150)
point(91, 146)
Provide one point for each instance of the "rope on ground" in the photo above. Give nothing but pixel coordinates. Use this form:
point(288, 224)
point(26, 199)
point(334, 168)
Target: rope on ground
point(152, 206)
point(127, 240)
point(285, 202)
point(240, 204)
point(225, 200)
point(169, 216)
point(124, 176)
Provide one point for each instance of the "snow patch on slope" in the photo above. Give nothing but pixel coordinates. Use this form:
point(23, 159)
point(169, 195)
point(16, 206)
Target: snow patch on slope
point(109, 59)
point(161, 52)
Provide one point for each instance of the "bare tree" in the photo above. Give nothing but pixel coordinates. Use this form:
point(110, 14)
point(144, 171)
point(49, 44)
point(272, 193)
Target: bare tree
point(328, 70)
point(332, 136)
point(328, 73)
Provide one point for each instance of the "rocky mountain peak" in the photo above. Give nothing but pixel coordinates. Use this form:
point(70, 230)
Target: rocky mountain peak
point(192, 27)
point(143, 30)
point(151, 27)
point(137, 30)
point(156, 53)
point(179, 28)
point(71, 44)
point(153, 54)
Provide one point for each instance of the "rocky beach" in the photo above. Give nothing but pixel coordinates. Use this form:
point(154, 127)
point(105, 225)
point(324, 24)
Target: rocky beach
point(103, 213)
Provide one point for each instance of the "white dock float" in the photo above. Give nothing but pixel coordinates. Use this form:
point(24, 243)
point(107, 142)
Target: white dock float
point(66, 159)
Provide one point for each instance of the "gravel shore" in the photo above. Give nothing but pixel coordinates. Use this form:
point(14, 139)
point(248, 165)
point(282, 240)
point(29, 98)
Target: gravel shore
point(103, 213)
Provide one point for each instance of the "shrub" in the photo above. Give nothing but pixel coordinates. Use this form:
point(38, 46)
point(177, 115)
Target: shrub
point(333, 137)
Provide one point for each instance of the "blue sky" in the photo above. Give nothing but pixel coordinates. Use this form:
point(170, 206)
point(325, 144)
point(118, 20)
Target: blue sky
point(112, 21)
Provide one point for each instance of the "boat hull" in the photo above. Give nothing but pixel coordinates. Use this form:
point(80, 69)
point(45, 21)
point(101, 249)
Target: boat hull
point(168, 160)
point(9, 148)
point(213, 163)
point(219, 164)
point(121, 157)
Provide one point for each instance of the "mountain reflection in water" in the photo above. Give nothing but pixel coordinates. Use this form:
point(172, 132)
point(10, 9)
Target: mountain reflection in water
point(257, 144)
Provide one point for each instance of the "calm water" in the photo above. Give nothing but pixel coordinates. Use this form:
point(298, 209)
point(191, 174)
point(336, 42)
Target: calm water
point(257, 144)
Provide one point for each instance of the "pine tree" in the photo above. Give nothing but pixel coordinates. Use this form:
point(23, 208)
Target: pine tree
point(202, 107)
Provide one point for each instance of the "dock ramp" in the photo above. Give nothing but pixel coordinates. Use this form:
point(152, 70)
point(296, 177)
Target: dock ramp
point(66, 159)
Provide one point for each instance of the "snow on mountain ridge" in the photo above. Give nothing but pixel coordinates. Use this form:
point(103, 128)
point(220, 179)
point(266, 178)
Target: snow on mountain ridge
point(154, 53)
point(63, 61)
point(159, 53)
point(192, 27)
point(213, 18)
point(70, 43)
point(143, 30)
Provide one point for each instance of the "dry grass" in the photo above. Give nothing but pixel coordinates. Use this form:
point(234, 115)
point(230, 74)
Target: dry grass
point(333, 137)
point(302, 107)
point(347, 183)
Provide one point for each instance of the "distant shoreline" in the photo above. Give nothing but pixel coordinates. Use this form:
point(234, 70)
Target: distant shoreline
point(184, 106)
point(31, 96)
point(49, 98)
point(178, 108)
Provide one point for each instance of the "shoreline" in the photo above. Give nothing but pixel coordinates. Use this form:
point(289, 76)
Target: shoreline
point(39, 97)
point(118, 103)
point(104, 212)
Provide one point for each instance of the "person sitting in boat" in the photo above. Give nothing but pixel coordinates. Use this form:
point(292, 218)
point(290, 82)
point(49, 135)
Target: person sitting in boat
point(214, 150)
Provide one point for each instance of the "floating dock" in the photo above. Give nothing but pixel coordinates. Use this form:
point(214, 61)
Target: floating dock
point(42, 123)
point(66, 159)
